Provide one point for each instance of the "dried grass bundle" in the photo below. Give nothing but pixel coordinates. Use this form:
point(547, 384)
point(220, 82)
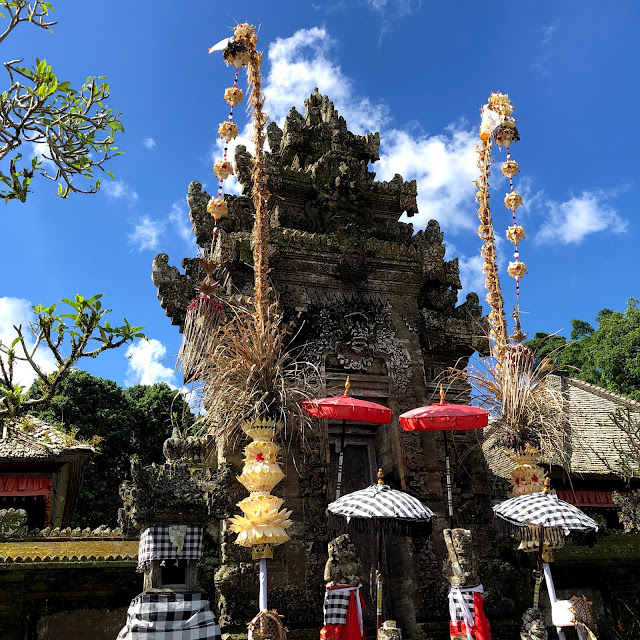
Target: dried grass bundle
point(251, 372)
point(526, 410)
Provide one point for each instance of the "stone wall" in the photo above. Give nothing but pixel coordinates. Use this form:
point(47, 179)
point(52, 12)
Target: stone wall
point(51, 601)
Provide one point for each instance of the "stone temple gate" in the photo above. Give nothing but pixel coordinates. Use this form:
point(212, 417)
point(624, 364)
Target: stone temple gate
point(373, 301)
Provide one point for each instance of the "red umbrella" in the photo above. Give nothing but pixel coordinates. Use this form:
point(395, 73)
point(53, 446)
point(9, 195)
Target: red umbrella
point(441, 416)
point(346, 408)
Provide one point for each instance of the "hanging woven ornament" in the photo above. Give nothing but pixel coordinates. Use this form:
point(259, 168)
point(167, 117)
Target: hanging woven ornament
point(223, 169)
point(512, 200)
point(217, 207)
point(233, 96)
point(510, 168)
point(237, 53)
point(202, 318)
point(515, 234)
point(507, 133)
point(517, 269)
point(228, 131)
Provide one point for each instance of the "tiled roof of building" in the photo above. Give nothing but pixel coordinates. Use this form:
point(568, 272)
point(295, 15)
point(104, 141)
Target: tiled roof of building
point(30, 438)
point(590, 429)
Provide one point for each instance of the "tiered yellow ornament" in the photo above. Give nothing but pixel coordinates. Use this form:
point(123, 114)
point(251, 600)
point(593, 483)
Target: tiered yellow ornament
point(264, 524)
point(527, 477)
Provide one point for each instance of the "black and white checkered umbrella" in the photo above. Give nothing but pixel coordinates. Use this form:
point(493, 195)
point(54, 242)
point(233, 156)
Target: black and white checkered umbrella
point(524, 515)
point(380, 509)
point(396, 511)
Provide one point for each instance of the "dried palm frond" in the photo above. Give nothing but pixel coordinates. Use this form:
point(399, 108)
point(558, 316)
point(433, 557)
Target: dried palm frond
point(525, 408)
point(251, 372)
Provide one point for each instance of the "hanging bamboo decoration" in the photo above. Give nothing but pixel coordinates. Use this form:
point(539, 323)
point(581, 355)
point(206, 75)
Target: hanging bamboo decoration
point(264, 523)
point(204, 313)
point(498, 327)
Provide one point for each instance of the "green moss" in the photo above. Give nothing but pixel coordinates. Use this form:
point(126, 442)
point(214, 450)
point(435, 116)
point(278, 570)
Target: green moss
point(613, 547)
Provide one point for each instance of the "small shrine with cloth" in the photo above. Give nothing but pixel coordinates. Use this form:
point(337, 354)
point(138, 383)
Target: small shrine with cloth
point(168, 506)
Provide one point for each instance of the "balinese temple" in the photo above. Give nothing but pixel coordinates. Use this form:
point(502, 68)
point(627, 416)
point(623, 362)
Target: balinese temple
point(369, 299)
point(40, 471)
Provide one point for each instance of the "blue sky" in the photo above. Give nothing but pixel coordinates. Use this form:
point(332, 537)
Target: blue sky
point(415, 71)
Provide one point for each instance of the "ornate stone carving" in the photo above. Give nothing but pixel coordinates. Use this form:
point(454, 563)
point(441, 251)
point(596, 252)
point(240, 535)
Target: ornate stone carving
point(363, 295)
point(357, 338)
point(343, 566)
point(175, 290)
point(461, 564)
point(533, 625)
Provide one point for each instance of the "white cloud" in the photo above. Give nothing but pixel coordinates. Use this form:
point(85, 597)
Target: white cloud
point(573, 220)
point(145, 363)
point(149, 143)
point(471, 275)
point(117, 189)
point(42, 151)
point(180, 218)
point(330, 7)
point(146, 233)
point(399, 7)
point(444, 166)
point(547, 32)
point(17, 311)
point(299, 64)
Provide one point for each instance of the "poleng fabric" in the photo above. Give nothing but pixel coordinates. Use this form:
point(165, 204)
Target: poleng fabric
point(343, 613)
point(170, 542)
point(170, 616)
point(466, 610)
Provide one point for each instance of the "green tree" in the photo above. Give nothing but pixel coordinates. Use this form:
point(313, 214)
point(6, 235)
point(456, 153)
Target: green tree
point(83, 332)
point(73, 127)
point(608, 356)
point(129, 421)
point(547, 345)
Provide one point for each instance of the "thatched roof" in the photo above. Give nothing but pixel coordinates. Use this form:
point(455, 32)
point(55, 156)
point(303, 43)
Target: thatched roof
point(589, 428)
point(30, 438)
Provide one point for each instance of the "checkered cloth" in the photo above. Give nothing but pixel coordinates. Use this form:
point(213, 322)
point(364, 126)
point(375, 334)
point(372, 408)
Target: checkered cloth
point(464, 617)
point(170, 616)
point(163, 542)
point(544, 509)
point(380, 501)
point(336, 604)
point(456, 608)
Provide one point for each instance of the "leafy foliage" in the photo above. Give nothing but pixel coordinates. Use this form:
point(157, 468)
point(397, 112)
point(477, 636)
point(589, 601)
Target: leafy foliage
point(629, 514)
point(69, 337)
point(608, 356)
point(130, 421)
point(74, 128)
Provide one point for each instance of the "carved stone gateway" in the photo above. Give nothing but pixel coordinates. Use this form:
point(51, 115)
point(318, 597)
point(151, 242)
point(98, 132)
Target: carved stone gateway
point(366, 298)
